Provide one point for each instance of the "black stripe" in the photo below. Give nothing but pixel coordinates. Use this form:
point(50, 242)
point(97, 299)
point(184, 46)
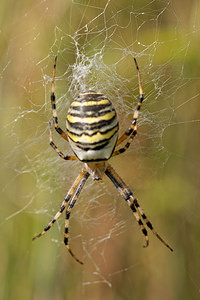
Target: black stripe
point(47, 228)
point(52, 97)
point(58, 129)
point(136, 203)
point(94, 133)
point(122, 150)
point(53, 145)
point(86, 96)
point(92, 148)
point(67, 215)
point(127, 145)
point(149, 225)
point(129, 131)
point(95, 143)
point(66, 241)
point(140, 222)
point(86, 108)
point(144, 231)
point(88, 126)
point(62, 208)
point(91, 144)
point(116, 183)
point(141, 98)
point(138, 107)
point(134, 132)
point(132, 206)
point(144, 216)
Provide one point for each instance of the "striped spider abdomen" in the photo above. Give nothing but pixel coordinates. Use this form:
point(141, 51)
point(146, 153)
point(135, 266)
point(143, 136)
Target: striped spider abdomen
point(92, 126)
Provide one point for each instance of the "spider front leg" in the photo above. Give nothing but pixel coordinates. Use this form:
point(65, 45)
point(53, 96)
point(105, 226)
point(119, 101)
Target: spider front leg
point(65, 157)
point(133, 204)
point(53, 104)
point(132, 131)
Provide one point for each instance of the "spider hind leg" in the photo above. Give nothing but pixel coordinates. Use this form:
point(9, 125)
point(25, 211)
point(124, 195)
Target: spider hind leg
point(148, 223)
point(134, 205)
point(66, 238)
point(74, 191)
point(84, 177)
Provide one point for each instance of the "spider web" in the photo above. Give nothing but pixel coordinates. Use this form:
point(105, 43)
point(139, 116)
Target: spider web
point(95, 42)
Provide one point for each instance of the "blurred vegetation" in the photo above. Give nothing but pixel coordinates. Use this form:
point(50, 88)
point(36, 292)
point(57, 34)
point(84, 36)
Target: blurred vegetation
point(168, 187)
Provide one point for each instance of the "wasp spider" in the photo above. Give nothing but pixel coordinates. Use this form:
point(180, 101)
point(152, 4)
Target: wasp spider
point(92, 131)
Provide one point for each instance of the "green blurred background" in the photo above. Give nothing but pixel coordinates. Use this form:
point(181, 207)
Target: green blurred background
point(162, 166)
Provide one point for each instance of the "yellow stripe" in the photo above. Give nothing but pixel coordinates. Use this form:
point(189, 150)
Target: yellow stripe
point(91, 120)
point(90, 93)
point(67, 223)
point(54, 113)
point(87, 103)
point(136, 114)
point(92, 139)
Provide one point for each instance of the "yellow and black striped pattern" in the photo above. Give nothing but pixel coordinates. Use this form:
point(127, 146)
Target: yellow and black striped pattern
point(92, 126)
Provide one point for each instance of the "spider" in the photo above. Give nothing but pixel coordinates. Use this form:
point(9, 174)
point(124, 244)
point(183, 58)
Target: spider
point(92, 131)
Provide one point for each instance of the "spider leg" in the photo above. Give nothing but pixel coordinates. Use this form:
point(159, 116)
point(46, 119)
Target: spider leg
point(53, 104)
point(148, 223)
point(134, 205)
point(65, 157)
point(128, 196)
point(68, 212)
point(132, 131)
point(63, 205)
